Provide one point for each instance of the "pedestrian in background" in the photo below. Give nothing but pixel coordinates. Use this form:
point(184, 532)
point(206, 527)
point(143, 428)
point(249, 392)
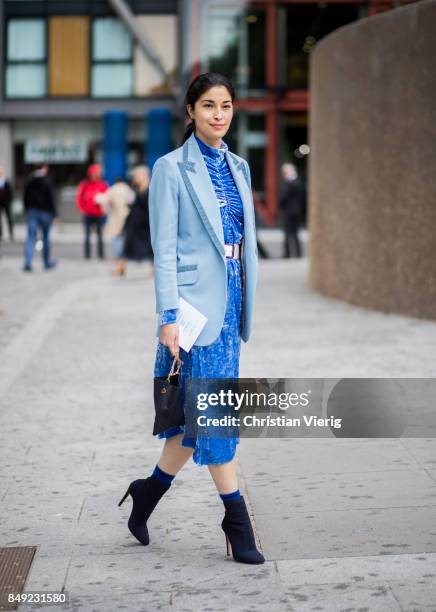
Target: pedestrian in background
point(39, 203)
point(115, 202)
point(292, 205)
point(92, 211)
point(259, 205)
point(5, 204)
point(137, 241)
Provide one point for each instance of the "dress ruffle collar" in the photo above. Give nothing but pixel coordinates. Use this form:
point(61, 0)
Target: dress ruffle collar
point(212, 151)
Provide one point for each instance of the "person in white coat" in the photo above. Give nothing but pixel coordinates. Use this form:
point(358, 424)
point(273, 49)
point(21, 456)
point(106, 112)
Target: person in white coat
point(115, 202)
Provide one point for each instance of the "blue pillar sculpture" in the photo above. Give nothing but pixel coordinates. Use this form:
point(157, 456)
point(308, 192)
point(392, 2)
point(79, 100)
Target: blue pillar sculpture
point(159, 134)
point(115, 145)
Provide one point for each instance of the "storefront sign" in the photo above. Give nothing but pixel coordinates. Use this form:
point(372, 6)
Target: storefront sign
point(55, 152)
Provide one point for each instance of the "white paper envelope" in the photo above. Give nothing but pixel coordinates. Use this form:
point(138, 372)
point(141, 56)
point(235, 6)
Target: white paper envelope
point(190, 321)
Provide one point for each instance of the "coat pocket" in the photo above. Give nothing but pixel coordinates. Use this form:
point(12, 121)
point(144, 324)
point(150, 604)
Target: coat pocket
point(188, 267)
point(187, 276)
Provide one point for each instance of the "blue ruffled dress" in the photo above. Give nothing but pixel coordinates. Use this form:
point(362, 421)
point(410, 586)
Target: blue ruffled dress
point(221, 358)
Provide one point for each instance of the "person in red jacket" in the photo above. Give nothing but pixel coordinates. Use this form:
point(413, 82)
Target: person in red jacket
point(93, 214)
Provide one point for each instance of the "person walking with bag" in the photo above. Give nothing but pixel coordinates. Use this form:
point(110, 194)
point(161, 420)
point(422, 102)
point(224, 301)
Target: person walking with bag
point(87, 196)
point(204, 243)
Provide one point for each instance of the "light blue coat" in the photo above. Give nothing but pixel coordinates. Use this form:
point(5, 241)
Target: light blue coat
point(188, 240)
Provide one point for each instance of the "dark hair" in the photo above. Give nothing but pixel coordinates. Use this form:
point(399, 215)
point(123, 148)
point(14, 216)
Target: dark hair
point(198, 87)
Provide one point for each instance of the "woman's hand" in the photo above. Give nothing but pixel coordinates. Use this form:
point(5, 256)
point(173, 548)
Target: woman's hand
point(169, 336)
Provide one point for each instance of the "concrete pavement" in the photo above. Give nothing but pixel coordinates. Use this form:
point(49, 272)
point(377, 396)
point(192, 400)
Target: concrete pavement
point(67, 239)
point(344, 524)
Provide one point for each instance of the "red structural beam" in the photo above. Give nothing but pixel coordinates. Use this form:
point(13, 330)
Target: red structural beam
point(297, 100)
point(271, 111)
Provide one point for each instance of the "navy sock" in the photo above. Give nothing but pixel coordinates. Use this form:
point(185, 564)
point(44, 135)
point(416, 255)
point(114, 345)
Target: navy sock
point(234, 495)
point(162, 476)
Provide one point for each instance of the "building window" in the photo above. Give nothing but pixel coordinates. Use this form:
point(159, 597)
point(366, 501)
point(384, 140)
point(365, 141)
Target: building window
point(161, 32)
point(112, 59)
point(69, 44)
point(233, 43)
point(26, 58)
point(301, 26)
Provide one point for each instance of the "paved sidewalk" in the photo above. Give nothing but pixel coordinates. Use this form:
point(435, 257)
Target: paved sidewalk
point(67, 239)
point(344, 524)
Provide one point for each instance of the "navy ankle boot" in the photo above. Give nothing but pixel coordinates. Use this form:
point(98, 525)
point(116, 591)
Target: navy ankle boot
point(237, 526)
point(145, 493)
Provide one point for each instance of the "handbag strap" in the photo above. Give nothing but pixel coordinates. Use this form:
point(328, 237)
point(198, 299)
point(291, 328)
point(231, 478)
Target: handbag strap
point(179, 363)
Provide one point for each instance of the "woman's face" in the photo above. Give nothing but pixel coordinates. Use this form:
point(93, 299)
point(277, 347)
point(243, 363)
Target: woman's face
point(140, 177)
point(213, 113)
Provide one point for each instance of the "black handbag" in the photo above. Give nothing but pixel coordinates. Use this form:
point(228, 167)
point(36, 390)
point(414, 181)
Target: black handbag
point(167, 400)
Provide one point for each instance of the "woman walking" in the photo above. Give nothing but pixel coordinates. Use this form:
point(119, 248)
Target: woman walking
point(115, 202)
point(137, 241)
point(204, 243)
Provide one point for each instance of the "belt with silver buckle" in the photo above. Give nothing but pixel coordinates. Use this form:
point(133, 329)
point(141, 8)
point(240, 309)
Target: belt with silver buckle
point(232, 250)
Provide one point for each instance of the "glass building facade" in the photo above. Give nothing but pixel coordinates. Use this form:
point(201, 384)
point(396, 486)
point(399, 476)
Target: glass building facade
point(264, 47)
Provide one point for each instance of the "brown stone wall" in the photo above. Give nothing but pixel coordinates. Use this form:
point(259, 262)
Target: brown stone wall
point(372, 172)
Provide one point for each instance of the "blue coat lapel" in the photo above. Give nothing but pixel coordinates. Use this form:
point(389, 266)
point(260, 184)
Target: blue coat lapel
point(199, 185)
point(202, 192)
